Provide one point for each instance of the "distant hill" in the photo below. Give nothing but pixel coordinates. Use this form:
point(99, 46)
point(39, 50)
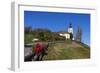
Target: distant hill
point(67, 50)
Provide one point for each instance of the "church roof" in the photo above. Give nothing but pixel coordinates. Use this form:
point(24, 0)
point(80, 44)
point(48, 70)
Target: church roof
point(70, 25)
point(63, 32)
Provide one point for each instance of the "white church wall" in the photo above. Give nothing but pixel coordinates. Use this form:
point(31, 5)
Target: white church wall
point(66, 35)
point(70, 30)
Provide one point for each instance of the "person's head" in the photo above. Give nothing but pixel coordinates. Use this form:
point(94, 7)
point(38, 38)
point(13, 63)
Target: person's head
point(36, 40)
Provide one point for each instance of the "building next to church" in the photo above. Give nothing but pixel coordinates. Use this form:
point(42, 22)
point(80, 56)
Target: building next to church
point(69, 33)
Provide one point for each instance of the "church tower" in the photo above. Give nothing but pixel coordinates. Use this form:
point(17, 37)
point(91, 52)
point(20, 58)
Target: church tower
point(70, 31)
point(79, 34)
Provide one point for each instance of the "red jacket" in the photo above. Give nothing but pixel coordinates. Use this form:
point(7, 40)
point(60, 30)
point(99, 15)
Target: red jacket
point(38, 48)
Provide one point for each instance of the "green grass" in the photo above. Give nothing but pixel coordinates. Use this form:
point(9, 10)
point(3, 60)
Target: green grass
point(28, 38)
point(67, 50)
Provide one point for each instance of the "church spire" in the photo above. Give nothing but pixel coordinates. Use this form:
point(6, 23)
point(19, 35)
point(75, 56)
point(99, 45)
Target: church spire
point(79, 34)
point(70, 25)
point(70, 31)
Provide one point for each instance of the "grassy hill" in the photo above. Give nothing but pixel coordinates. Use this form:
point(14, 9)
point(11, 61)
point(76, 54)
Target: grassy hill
point(67, 50)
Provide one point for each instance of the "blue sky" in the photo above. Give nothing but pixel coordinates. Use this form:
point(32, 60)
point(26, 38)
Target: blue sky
point(55, 22)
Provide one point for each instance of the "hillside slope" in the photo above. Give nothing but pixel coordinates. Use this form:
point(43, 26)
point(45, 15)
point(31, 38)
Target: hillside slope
point(67, 50)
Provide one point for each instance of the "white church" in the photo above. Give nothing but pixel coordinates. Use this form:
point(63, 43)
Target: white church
point(68, 34)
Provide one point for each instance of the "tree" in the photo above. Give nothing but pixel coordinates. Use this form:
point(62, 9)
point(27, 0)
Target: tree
point(41, 36)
